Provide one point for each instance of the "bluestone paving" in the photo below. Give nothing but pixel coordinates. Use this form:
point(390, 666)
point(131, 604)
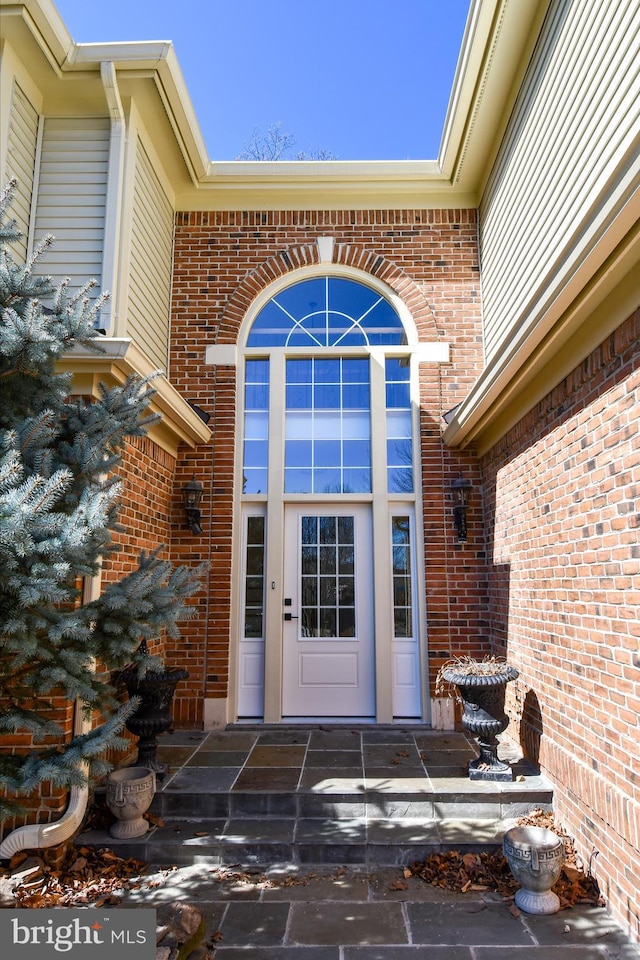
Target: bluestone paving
point(472, 922)
point(292, 843)
point(357, 923)
point(278, 953)
point(218, 758)
point(254, 924)
point(345, 913)
point(406, 952)
point(583, 927)
point(564, 952)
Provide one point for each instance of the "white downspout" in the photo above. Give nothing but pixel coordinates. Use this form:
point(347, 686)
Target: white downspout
point(37, 836)
point(113, 201)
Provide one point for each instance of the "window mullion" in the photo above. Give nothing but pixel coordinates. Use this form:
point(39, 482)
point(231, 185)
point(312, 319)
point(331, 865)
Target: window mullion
point(378, 436)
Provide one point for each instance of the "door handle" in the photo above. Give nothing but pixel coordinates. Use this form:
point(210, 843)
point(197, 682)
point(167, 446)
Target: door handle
point(290, 616)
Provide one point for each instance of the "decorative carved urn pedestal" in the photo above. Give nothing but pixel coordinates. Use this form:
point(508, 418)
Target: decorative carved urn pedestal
point(130, 791)
point(153, 714)
point(483, 695)
point(535, 857)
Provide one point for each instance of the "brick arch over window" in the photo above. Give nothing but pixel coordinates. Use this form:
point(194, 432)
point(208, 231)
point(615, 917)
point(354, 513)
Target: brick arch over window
point(348, 255)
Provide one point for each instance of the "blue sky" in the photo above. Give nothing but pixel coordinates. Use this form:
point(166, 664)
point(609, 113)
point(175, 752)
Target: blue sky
point(362, 79)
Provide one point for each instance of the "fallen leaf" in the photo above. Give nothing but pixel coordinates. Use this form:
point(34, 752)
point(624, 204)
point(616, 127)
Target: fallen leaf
point(86, 876)
point(154, 819)
point(514, 911)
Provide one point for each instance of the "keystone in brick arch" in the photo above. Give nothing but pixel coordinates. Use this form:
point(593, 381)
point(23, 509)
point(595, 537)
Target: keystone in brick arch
point(59, 498)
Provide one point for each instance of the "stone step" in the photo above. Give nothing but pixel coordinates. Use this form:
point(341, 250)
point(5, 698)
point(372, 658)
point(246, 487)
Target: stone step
point(301, 797)
point(305, 841)
point(456, 801)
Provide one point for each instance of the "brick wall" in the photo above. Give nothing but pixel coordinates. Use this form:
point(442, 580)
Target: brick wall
point(562, 491)
point(429, 258)
point(146, 506)
point(152, 516)
point(46, 803)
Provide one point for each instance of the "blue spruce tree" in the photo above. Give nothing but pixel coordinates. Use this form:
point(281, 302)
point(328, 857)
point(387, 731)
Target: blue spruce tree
point(59, 496)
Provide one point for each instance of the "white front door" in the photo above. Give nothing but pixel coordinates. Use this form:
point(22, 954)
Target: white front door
point(328, 631)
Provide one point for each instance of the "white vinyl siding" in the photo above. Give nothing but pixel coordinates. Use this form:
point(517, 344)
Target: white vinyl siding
point(21, 158)
point(71, 196)
point(150, 263)
point(565, 150)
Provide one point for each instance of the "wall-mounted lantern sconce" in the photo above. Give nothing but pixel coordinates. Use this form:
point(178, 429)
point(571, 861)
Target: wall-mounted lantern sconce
point(461, 489)
point(192, 493)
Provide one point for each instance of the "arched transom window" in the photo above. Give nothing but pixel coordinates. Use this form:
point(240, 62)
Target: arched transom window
point(327, 312)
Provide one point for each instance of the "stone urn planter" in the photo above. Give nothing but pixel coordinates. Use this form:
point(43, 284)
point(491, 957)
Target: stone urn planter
point(130, 791)
point(535, 856)
point(481, 687)
point(152, 716)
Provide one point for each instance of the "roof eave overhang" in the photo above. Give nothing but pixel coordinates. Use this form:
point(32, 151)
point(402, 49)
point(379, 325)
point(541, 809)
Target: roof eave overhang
point(595, 291)
point(499, 39)
point(118, 359)
point(496, 48)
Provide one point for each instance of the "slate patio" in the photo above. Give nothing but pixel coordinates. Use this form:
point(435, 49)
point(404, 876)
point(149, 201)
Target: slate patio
point(291, 842)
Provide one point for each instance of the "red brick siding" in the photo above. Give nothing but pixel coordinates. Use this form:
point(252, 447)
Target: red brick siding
point(46, 803)
point(151, 514)
point(562, 492)
point(429, 258)
point(146, 473)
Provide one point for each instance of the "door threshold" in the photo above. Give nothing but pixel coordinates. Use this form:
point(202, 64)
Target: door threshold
point(328, 721)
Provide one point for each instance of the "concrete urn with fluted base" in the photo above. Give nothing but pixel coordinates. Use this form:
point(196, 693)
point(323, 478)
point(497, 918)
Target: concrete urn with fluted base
point(535, 856)
point(130, 791)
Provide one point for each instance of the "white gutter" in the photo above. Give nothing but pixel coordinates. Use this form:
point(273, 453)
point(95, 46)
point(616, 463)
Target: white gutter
point(38, 836)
